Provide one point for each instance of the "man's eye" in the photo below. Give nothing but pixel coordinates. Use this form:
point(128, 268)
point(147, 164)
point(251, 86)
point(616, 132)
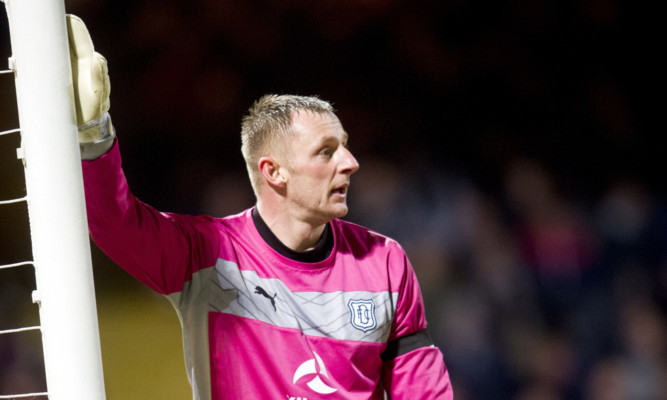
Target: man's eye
point(326, 152)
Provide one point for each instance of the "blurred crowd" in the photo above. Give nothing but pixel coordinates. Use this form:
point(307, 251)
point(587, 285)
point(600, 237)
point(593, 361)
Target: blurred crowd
point(503, 144)
point(534, 295)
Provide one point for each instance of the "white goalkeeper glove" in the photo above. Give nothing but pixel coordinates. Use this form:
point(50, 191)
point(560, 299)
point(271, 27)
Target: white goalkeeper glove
point(91, 91)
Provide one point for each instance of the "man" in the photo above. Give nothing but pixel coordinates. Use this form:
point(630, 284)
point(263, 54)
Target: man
point(284, 300)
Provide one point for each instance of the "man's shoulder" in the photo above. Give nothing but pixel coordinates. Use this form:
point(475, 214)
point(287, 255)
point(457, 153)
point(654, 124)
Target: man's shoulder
point(353, 232)
point(235, 224)
point(238, 221)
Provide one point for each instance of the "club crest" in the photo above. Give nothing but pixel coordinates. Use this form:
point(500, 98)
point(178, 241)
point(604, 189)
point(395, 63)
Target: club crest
point(362, 314)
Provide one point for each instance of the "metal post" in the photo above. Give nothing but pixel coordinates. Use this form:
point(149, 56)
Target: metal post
point(56, 204)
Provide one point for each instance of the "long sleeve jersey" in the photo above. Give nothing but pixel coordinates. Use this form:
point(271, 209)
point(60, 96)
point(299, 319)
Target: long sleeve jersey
point(259, 325)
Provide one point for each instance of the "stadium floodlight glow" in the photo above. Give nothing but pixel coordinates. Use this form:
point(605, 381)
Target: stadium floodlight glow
point(56, 205)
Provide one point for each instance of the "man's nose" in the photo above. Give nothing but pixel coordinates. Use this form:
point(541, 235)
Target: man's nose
point(349, 164)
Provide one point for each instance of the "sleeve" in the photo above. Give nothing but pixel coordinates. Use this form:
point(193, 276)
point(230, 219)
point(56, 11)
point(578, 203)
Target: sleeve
point(162, 250)
point(412, 365)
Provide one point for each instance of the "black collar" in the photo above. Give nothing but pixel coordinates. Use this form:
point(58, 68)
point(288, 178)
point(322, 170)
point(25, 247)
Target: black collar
point(319, 253)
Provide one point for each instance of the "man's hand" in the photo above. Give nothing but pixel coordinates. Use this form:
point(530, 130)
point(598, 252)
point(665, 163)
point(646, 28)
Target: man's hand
point(91, 91)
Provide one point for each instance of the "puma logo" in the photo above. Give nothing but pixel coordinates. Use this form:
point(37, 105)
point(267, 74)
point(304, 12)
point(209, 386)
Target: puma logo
point(260, 290)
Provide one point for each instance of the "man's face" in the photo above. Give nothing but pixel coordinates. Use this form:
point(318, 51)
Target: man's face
point(318, 167)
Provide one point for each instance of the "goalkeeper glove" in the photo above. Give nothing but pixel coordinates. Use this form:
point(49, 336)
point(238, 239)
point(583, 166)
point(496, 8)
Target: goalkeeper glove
point(91, 91)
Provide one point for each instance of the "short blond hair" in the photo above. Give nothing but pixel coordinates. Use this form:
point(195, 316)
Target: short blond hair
point(267, 126)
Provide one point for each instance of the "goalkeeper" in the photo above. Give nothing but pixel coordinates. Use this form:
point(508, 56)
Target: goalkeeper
point(284, 300)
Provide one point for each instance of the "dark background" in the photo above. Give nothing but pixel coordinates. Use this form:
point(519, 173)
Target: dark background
point(505, 144)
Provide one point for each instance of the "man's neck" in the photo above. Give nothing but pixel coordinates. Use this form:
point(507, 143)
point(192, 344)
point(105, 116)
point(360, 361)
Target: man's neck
point(319, 253)
point(294, 233)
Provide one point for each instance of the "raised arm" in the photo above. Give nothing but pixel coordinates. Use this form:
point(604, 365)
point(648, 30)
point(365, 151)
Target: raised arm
point(162, 250)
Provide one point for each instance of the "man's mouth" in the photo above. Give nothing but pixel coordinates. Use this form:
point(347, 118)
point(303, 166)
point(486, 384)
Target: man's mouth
point(340, 190)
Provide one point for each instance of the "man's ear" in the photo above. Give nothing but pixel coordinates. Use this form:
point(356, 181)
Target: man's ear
point(271, 171)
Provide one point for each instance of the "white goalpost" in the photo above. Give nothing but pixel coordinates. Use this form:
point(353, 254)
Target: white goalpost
point(56, 205)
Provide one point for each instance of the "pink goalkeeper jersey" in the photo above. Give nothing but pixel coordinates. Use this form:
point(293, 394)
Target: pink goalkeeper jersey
point(258, 325)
